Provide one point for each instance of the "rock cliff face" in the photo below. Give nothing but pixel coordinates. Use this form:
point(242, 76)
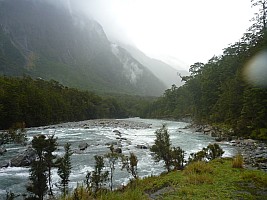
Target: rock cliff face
point(50, 41)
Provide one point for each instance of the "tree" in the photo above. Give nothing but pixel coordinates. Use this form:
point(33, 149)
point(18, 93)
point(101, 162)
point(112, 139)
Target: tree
point(15, 134)
point(214, 151)
point(211, 152)
point(196, 68)
point(162, 147)
point(261, 16)
point(112, 158)
point(98, 177)
point(64, 169)
point(130, 164)
point(38, 170)
point(49, 157)
point(178, 158)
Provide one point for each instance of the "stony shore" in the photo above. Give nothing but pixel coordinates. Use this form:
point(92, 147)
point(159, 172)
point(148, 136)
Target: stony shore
point(116, 123)
point(254, 152)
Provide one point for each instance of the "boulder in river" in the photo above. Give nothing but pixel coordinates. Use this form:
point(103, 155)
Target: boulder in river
point(117, 133)
point(24, 159)
point(2, 150)
point(141, 146)
point(4, 163)
point(111, 143)
point(83, 146)
point(118, 150)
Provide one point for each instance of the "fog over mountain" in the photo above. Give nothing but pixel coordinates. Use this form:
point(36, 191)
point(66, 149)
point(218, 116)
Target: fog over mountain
point(54, 40)
point(101, 10)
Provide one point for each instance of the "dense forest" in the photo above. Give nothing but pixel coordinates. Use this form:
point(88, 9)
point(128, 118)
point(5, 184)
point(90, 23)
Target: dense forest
point(37, 102)
point(229, 89)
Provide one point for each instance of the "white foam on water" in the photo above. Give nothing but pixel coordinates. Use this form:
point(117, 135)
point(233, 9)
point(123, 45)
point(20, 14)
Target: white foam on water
point(13, 169)
point(2, 191)
point(96, 137)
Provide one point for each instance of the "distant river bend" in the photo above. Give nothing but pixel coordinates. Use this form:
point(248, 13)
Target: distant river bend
point(135, 132)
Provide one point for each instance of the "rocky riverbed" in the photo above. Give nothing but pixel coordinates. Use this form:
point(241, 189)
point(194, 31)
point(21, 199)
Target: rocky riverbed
point(254, 152)
point(126, 124)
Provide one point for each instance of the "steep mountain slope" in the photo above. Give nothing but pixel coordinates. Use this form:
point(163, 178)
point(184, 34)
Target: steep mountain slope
point(166, 73)
point(49, 41)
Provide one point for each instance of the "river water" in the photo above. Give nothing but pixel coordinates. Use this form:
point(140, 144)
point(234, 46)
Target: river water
point(97, 136)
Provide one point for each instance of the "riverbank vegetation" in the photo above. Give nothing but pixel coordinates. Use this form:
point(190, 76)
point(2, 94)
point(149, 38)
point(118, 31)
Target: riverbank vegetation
point(35, 102)
point(229, 89)
point(200, 180)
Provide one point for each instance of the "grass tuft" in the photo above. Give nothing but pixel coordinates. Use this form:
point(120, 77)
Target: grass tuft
point(238, 161)
point(199, 167)
point(198, 173)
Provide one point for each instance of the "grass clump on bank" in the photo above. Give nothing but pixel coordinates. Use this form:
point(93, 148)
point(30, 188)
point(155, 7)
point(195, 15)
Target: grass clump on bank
point(216, 179)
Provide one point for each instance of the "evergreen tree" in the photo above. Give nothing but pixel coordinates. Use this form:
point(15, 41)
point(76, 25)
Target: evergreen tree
point(64, 169)
point(130, 164)
point(112, 158)
point(162, 147)
point(178, 159)
point(49, 157)
point(98, 177)
point(38, 170)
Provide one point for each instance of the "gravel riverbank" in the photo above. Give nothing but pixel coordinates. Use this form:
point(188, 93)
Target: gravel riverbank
point(254, 152)
point(116, 123)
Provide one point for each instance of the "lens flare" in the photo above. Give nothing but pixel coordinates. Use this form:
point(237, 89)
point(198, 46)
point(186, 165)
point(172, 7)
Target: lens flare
point(255, 71)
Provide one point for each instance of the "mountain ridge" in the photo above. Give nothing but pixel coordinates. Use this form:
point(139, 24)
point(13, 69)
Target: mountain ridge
point(53, 43)
point(165, 72)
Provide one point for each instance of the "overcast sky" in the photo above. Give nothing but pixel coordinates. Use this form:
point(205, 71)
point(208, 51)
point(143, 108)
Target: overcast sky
point(179, 31)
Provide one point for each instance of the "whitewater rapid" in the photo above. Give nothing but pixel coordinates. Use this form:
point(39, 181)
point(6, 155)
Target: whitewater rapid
point(97, 136)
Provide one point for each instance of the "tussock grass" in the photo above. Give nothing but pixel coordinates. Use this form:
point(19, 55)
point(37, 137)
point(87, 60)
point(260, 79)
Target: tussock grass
point(216, 179)
point(197, 179)
point(238, 161)
point(198, 173)
point(199, 167)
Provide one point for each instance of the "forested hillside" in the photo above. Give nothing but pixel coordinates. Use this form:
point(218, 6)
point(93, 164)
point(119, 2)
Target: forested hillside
point(39, 102)
point(229, 89)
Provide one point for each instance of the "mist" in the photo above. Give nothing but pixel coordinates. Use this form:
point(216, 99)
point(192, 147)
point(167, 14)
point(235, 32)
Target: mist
point(103, 11)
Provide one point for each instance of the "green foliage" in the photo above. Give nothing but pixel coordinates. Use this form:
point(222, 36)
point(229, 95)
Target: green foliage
point(49, 157)
point(198, 156)
point(38, 170)
point(112, 157)
point(214, 151)
point(172, 156)
point(38, 102)
point(200, 180)
point(178, 158)
point(64, 169)
point(162, 147)
point(130, 164)
point(211, 152)
point(198, 173)
point(97, 178)
point(15, 134)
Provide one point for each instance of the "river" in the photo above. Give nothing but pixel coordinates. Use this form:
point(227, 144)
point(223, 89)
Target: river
point(97, 134)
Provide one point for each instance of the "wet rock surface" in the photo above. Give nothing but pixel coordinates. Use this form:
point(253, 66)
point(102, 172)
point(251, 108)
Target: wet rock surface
point(83, 146)
point(2, 150)
point(116, 123)
point(254, 153)
point(24, 159)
